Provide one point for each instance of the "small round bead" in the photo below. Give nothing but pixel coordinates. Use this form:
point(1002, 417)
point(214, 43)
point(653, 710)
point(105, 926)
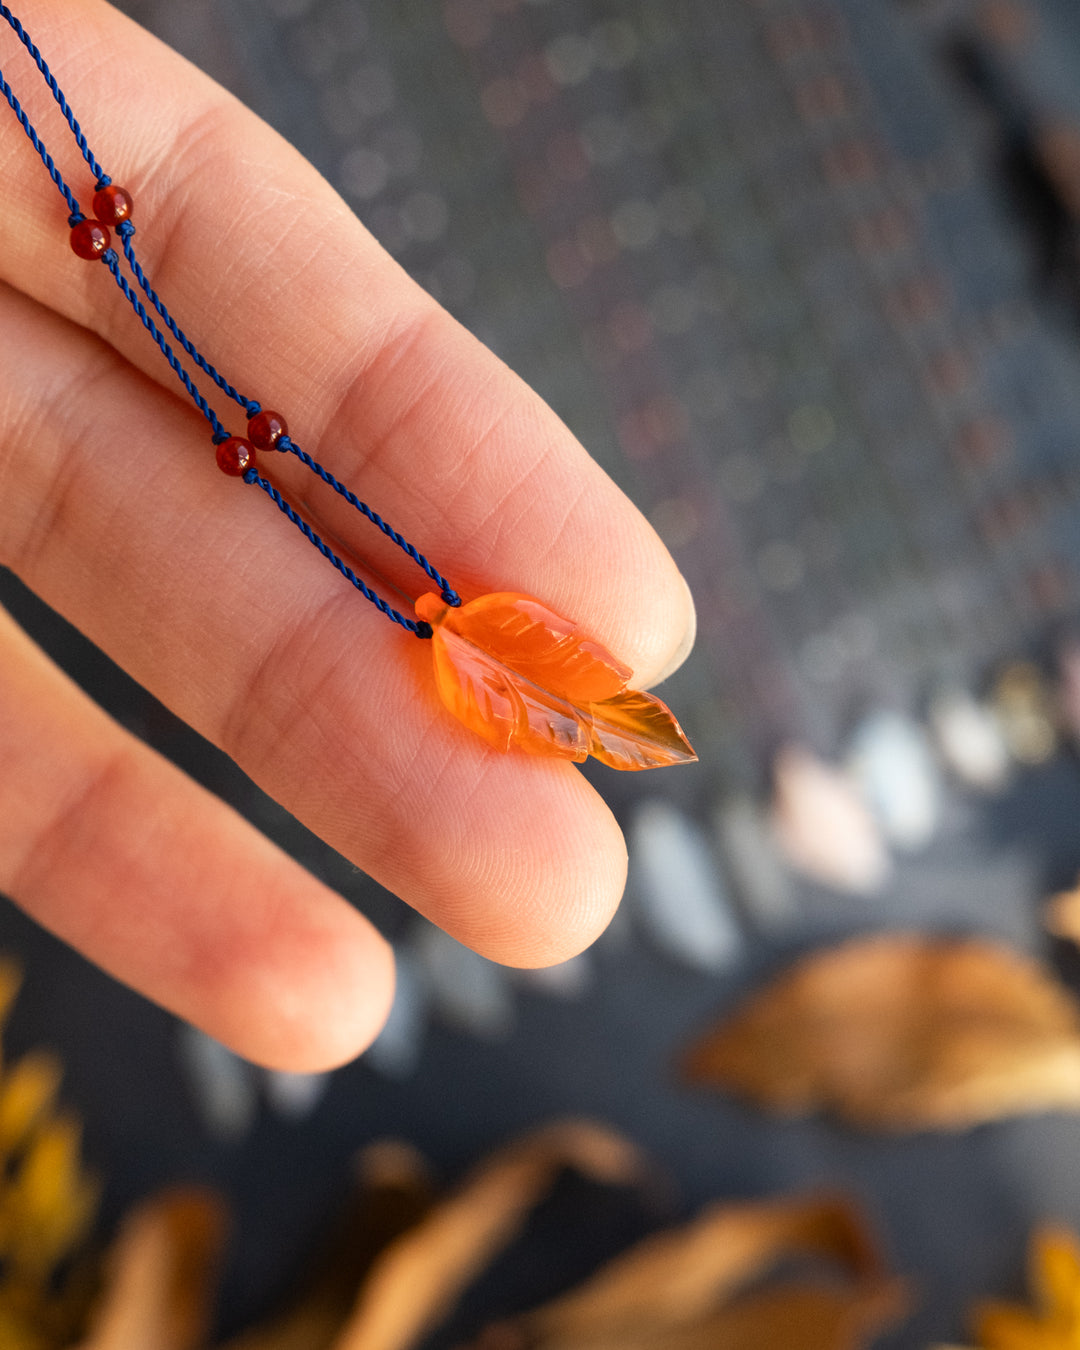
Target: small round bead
point(112, 204)
point(266, 428)
point(89, 240)
point(235, 456)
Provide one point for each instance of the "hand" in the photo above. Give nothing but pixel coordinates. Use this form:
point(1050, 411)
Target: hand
point(116, 514)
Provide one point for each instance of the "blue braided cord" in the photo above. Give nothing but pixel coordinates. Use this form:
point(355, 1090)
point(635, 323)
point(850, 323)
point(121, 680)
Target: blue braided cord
point(111, 260)
point(125, 230)
point(448, 593)
point(50, 80)
point(38, 144)
point(421, 628)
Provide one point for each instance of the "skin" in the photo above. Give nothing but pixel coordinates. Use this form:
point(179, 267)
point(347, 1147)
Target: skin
point(115, 513)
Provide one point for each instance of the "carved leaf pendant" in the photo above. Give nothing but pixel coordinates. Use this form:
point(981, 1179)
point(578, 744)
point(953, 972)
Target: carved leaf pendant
point(520, 675)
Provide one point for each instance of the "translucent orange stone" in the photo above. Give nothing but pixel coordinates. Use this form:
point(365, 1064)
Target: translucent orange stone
point(235, 456)
point(89, 240)
point(112, 204)
point(518, 674)
point(266, 428)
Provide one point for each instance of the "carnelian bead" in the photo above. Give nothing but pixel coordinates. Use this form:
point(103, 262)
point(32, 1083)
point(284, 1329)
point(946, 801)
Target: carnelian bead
point(235, 456)
point(89, 239)
point(112, 204)
point(266, 428)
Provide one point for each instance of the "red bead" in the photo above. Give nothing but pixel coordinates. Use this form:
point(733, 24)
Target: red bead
point(89, 239)
point(266, 428)
point(235, 456)
point(112, 204)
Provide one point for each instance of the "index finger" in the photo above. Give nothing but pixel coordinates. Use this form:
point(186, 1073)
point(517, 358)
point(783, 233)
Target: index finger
point(243, 239)
point(275, 278)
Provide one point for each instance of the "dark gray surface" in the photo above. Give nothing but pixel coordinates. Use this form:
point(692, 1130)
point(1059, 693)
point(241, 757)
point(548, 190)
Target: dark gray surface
point(894, 529)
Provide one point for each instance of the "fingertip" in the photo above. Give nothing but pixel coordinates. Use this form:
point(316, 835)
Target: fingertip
point(640, 607)
point(537, 875)
point(311, 1002)
point(579, 901)
point(686, 616)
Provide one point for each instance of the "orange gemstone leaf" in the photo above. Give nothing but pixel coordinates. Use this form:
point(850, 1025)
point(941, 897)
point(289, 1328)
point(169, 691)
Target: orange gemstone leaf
point(636, 731)
point(535, 642)
point(518, 674)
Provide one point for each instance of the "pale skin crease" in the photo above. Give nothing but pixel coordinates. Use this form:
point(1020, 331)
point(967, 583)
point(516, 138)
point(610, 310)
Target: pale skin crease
point(115, 513)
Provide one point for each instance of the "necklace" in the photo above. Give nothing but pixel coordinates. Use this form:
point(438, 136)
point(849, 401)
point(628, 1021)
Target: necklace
point(509, 668)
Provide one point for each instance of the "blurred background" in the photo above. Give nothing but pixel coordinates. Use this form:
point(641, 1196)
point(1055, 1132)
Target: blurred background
point(804, 276)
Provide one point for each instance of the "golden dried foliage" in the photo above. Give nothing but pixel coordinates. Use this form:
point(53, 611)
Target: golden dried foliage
point(1062, 914)
point(1053, 1321)
point(803, 1273)
point(161, 1275)
point(47, 1202)
point(418, 1277)
point(403, 1258)
point(688, 1287)
point(901, 1032)
point(393, 1193)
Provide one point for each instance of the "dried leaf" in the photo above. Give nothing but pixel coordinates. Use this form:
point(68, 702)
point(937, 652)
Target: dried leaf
point(420, 1275)
point(1055, 1273)
point(47, 1205)
point(797, 1317)
point(160, 1287)
point(518, 674)
point(1054, 1322)
point(1062, 914)
point(10, 980)
point(794, 1317)
point(27, 1093)
point(394, 1192)
point(902, 1032)
point(680, 1277)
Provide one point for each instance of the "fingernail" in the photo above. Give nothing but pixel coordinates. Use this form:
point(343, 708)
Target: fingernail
point(683, 650)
